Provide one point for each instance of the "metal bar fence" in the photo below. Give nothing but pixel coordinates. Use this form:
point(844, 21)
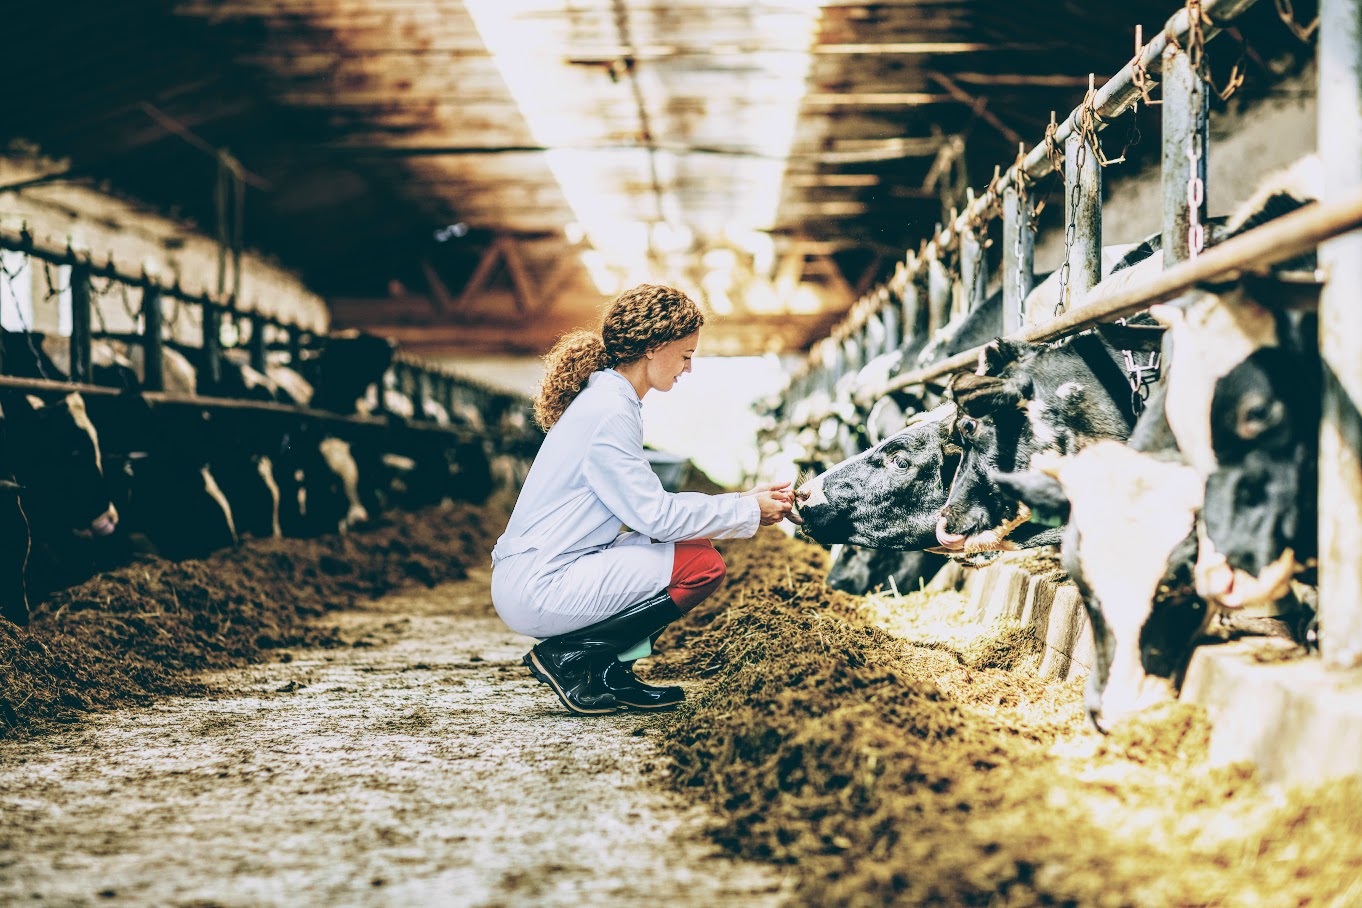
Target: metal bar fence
point(155, 296)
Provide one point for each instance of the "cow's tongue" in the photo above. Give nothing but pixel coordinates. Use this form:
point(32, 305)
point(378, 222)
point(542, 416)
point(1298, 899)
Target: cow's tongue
point(948, 539)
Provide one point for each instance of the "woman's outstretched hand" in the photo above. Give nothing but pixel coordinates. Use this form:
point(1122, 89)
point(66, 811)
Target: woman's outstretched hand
point(776, 500)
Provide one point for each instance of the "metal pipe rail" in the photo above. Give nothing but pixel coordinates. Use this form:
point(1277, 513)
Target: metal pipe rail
point(1275, 241)
point(1113, 98)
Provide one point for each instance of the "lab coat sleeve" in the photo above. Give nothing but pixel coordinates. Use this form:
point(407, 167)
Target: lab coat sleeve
point(619, 474)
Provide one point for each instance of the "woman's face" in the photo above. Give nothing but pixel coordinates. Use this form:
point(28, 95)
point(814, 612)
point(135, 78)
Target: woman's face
point(670, 361)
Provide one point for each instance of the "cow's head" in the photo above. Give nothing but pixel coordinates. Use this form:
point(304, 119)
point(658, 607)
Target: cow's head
point(1129, 545)
point(1243, 403)
point(1023, 400)
point(56, 457)
point(859, 570)
point(889, 496)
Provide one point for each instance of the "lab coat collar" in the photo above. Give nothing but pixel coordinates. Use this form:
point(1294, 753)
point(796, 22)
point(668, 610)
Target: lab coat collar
point(626, 387)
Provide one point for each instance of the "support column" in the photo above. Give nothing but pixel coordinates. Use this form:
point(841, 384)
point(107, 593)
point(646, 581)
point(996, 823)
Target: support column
point(938, 294)
point(1340, 328)
point(1019, 252)
point(80, 323)
point(1082, 218)
point(973, 271)
point(1186, 113)
point(153, 375)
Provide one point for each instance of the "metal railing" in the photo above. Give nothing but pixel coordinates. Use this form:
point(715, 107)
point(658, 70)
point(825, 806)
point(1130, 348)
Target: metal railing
point(214, 326)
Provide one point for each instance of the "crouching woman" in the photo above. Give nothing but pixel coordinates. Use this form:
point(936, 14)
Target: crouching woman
point(598, 558)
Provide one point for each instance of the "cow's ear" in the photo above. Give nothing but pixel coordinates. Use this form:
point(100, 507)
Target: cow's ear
point(979, 395)
point(998, 354)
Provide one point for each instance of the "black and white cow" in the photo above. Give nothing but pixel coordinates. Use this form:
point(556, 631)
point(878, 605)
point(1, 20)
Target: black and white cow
point(1212, 505)
point(1024, 400)
point(51, 456)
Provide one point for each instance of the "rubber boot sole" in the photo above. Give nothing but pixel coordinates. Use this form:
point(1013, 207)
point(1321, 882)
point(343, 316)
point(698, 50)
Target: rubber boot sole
point(544, 677)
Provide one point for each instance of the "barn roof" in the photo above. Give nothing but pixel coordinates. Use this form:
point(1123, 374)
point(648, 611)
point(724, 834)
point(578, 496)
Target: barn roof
point(480, 175)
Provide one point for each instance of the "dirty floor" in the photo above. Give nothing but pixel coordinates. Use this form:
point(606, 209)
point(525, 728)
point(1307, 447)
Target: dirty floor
point(420, 765)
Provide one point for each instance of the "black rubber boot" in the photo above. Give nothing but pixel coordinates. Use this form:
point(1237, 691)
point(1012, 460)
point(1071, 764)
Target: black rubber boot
point(573, 664)
point(618, 678)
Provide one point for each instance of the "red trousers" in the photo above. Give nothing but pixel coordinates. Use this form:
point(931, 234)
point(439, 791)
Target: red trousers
point(697, 571)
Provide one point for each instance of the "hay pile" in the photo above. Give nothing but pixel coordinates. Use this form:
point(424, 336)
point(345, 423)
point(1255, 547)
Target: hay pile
point(887, 772)
point(141, 630)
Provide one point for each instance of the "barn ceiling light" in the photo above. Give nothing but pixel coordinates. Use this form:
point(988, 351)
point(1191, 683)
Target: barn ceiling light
point(641, 206)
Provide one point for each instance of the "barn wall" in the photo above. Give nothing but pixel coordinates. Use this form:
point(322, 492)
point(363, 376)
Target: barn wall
point(135, 238)
point(1247, 144)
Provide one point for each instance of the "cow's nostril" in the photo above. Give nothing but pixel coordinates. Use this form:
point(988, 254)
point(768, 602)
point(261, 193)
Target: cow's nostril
point(802, 494)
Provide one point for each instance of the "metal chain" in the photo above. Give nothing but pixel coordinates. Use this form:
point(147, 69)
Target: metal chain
point(1196, 51)
point(11, 277)
point(1196, 187)
point(1288, 15)
point(1087, 133)
point(1023, 224)
point(1139, 76)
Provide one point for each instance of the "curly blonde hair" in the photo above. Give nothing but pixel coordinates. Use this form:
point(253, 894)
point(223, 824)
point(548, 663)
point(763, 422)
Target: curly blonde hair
point(638, 321)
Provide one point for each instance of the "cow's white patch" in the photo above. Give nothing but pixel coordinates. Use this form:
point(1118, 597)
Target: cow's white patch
point(1211, 335)
point(266, 468)
point(1069, 388)
point(1041, 428)
point(210, 485)
point(1131, 510)
point(292, 384)
point(76, 405)
point(336, 453)
point(35, 402)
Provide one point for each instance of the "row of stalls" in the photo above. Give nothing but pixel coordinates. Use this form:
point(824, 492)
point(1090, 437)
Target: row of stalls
point(904, 347)
point(210, 423)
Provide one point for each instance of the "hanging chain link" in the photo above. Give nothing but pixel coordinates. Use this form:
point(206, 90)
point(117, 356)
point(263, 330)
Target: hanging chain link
point(1288, 15)
point(1139, 76)
point(1196, 187)
point(1023, 224)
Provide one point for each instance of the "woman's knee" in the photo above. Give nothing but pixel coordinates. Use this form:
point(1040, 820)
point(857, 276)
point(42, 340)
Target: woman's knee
point(698, 570)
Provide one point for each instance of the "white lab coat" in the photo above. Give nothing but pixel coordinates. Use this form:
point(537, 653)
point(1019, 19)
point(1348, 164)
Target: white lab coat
point(566, 560)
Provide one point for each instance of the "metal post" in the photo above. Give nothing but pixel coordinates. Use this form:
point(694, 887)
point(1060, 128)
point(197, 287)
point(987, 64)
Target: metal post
point(973, 270)
point(210, 359)
point(1186, 117)
point(295, 345)
point(938, 295)
point(1340, 331)
point(915, 314)
point(80, 323)
point(418, 393)
point(893, 323)
point(1019, 248)
point(153, 374)
point(1082, 218)
point(255, 347)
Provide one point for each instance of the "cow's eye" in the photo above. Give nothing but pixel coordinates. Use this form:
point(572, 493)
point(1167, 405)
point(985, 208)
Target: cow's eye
point(1257, 415)
point(899, 461)
point(967, 427)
